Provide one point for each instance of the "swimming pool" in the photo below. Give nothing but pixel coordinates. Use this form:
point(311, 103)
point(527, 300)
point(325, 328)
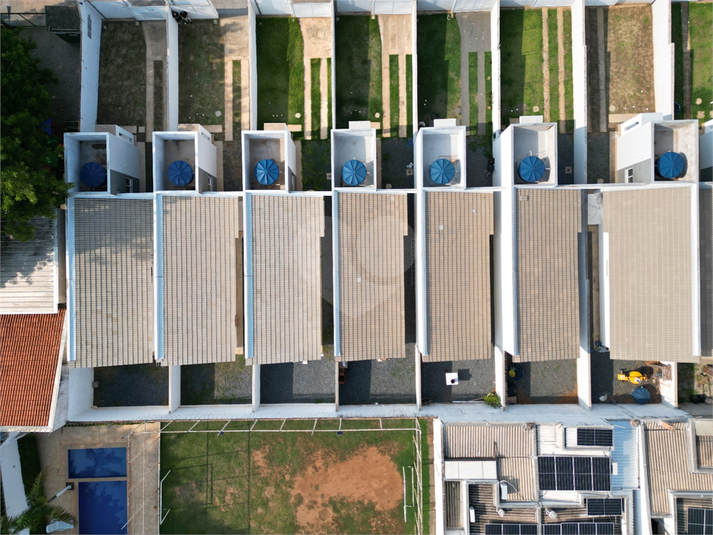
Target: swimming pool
point(97, 462)
point(102, 507)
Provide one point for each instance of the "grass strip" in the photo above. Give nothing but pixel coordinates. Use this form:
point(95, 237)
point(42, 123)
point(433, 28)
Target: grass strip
point(394, 93)
point(425, 475)
point(375, 88)
point(677, 40)
point(315, 165)
point(237, 98)
point(568, 76)
point(473, 90)
point(315, 64)
point(158, 105)
point(409, 94)
point(521, 53)
point(700, 26)
point(554, 65)
point(295, 60)
point(329, 96)
point(489, 91)
point(453, 61)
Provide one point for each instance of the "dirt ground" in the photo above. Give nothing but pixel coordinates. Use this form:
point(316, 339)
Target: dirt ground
point(368, 484)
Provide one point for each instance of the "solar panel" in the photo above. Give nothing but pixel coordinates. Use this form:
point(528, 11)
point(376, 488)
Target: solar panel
point(574, 473)
point(594, 437)
point(510, 529)
point(604, 507)
point(579, 528)
point(700, 521)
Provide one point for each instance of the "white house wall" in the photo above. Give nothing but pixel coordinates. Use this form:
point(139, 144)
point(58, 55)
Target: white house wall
point(89, 75)
point(312, 10)
point(123, 156)
point(579, 89)
point(112, 9)
point(172, 74)
point(252, 47)
point(387, 7)
point(81, 392)
point(663, 57)
point(496, 66)
point(353, 6)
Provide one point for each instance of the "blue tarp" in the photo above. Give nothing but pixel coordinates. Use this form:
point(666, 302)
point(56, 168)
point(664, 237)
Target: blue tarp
point(353, 173)
point(670, 165)
point(442, 171)
point(93, 174)
point(531, 169)
point(180, 173)
point(267, 172)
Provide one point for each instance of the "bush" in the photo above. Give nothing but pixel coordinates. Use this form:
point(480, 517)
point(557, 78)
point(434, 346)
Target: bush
point(493, 400)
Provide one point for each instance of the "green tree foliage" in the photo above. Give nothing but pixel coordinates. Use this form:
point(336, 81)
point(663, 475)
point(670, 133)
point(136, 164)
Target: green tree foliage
point(37, 514)
point(28, 183)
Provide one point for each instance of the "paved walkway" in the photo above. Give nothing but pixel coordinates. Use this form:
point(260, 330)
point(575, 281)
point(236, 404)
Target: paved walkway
point(235, 38)
point(396, 39)
point(317, 37)
point(474, 37)
point(155, 37)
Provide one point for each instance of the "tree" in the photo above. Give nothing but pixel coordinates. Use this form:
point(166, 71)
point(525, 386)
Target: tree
point(28, 185)
point(39, 510)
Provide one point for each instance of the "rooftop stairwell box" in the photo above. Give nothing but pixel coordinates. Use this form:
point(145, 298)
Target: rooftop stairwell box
point(269, 160)
point(186, 160)
point(104, 161)
point(354, 157)
point(442, 151)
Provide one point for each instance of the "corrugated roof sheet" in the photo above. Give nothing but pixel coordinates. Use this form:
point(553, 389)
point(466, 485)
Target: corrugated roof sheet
point(669, 467)
point(705, 201)
point(704, 449)
point(113, 253)
point(27, 271)
point(548, 224)
point(372, 228)
point(625, 453)
point(470, 441)
point(520, 473)
point(287, 281)
point(29, 356)
point(458, 230)
point(202, 279)
point(649, 274)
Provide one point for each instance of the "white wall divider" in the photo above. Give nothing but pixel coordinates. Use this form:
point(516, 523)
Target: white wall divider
point(174, 388)
point(171, 71)
point(664, 58)
point(414, 66)
point(91, 36)
point(495, 58)
point(252, 48)
point(579, 87)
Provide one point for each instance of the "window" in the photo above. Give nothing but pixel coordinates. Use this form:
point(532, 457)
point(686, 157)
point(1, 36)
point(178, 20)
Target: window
point(574, 473)
point(700, 521)
point(594, 437)
point(605, 507)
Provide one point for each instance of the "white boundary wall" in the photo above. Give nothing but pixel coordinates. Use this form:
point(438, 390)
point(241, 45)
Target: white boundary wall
point(91, 22)
point(495, 58)
point(174, 387)
point(438, 475)
point(11, 470)
point(664, 58)
point(171, 72)
point(579, 87)
point(252, 47)
point(81, 393)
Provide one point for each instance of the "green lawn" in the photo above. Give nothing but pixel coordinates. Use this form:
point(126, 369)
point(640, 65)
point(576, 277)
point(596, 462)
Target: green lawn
point(489, 91)
point(394, 93)
point(280, 71)
point(473, 89)
point(237, 97)
point(569, 87)
point(521, 58)
point(439, 92)
point(329, 95)
point(122, 75)
point(358, 64)
point(201, 73)
point(700, 26)
point(254, 482)
point(554, 64)
point(158, 105)
point(316, 164)
point(409, 95)
point(677, 40)
point(315, 96)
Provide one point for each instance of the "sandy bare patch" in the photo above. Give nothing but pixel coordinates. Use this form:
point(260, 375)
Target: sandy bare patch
point(259, 458)
point(368, 476)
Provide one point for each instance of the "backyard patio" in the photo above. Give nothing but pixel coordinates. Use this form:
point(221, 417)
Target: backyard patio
point(476, 378)
point(128, 386)
point(313, 382)
point(217, 384)
point(371, 382)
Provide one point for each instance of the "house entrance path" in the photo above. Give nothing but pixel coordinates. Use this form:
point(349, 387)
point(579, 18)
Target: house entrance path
point(155, 37)
point(474, 37)
point(396, 39)
point(235, 32)
point(317, 38)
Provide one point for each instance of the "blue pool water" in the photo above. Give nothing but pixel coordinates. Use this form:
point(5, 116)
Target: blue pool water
point(99, 462)
point(102, 507)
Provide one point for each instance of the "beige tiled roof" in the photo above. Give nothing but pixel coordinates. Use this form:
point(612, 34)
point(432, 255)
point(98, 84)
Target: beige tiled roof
point(470, 441)
point(113, 254)
point(287, 281)
point(704, 451)
point(650, 294)
point(669, 467)
point(27, 271)
point(548, 224)
point(372, 228)
point(458, 230)
point(202, 279)
point(706, 238)
point(520, 473)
